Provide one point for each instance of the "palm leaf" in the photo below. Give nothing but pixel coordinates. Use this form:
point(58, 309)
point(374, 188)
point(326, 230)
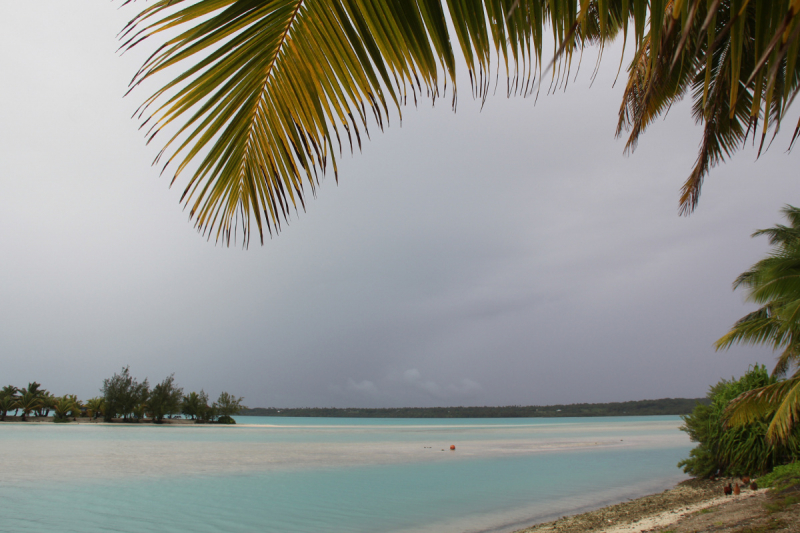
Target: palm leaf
point(264, 93)
point(759, 327)
point(781, 400)
point(272, 84)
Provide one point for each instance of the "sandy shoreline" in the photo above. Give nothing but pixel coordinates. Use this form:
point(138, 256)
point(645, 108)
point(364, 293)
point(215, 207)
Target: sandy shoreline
point(692, 506)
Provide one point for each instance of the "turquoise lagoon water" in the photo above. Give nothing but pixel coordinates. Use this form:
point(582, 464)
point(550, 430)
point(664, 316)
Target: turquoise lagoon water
point(333, 475)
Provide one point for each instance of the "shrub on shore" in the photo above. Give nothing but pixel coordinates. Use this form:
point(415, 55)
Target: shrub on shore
point(165, 399)
point(228, 405)
point(782, 476)
point(737, 450)
point(124, 396)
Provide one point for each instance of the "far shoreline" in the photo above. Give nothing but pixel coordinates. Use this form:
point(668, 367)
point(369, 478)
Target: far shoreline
point(663, 406)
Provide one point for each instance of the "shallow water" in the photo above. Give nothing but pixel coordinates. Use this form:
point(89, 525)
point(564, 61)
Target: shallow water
point(337, 475)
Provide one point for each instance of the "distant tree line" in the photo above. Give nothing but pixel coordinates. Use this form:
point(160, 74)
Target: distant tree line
point(124, 399)
point(666, 406)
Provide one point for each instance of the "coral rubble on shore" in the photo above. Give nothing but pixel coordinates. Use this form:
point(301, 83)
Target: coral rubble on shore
point(692, 506)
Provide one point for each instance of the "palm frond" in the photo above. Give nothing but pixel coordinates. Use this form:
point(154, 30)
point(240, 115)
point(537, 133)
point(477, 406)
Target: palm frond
point(790, 356)
point(762, 326)
point(781, 400)
point(271, 85)
point(267, 91)
point(787, 414)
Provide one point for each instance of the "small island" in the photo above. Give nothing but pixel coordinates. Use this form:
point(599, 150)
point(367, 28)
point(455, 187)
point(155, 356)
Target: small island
point(124, 400)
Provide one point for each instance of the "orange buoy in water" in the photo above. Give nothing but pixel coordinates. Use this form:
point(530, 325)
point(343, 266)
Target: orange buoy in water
point(452, 446)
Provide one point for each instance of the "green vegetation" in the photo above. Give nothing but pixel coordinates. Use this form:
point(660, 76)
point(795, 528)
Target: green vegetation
point(30, 399)
point(95, 407)
point(125, 399)
point(784, 484)
point(124, 396)
point(774, 283)
point(782, 477)
point(751, 425)
point(28, 402)
point(667, 406)
point(165, 399)
point(190, 405)
point(739, 450)
point(205, 412)
point(6, 404)
point(226, 407)
point(268, 112)
point(65, 407)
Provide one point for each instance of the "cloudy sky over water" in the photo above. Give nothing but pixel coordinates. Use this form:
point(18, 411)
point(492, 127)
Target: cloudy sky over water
point(512, 255)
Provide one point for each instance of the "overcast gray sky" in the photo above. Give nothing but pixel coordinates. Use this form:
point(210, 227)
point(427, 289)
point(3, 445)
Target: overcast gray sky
point(512, 255)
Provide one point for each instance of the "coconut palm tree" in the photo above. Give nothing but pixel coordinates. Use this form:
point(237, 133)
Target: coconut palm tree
point(95, 407)
point(35, 388)
point(774, 283)
point(66, 406)
point(47, 402)
point(265, 93)
point(26, 403)
point(9, 393)
point(6, 404)
point(46, 399)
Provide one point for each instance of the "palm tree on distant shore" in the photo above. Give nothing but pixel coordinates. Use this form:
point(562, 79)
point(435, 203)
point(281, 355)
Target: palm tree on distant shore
point(95, 407)
point(773, 282)
point(268, 91)
point(6, 404)
point(8, 395)
point(27, 403)
point(65, 406)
